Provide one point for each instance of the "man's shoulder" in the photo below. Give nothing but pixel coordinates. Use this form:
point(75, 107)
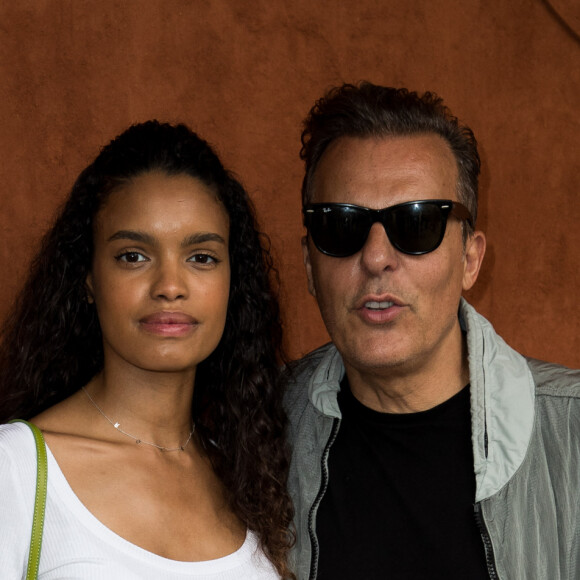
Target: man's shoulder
point(557, 411)
point(488, 350)
point(302, 368)
point(298, 373)
point(555, 380)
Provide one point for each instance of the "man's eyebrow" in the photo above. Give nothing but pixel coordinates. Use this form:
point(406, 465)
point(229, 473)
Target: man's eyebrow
point(201, 238)
point(134, 235)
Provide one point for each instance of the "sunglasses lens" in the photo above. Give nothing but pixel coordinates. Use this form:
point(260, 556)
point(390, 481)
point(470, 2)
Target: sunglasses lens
point(416, 228)
point(338, 231)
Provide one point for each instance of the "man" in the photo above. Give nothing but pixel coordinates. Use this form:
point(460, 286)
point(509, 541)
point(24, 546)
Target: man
point(423, 446)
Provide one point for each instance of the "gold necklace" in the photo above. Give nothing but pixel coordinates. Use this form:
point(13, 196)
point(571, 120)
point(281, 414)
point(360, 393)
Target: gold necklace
point(117, 426)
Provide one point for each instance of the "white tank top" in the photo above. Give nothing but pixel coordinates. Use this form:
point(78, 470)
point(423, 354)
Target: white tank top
point(76, 545)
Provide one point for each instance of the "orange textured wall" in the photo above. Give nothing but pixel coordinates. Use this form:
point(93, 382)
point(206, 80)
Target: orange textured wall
point(244, 73)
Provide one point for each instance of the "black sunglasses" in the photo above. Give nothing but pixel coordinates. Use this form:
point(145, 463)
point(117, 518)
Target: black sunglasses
point(413, 227)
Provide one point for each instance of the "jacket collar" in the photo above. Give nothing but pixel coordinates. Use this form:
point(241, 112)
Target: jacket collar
point(502, 404)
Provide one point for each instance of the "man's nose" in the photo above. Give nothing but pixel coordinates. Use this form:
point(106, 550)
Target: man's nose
point(378, 254)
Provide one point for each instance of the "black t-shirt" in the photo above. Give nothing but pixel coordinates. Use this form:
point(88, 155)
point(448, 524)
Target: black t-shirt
point(399, 503)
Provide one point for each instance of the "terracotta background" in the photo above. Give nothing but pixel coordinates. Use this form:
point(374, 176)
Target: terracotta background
point(244, 73)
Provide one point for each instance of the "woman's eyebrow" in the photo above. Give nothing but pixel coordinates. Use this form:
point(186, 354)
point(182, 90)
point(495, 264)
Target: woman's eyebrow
point(202, 237)
point(136, 236)
point(146, 238)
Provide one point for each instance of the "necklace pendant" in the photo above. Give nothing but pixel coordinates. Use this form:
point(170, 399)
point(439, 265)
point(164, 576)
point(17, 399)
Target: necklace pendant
point(117, 426)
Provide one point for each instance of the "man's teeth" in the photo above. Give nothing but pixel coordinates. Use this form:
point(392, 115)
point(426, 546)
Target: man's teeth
point(378, 305)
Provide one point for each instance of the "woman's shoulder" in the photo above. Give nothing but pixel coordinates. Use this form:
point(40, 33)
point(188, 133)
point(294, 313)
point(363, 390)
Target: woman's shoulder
point(17, 445)
point(17, 467)
point(17, 431)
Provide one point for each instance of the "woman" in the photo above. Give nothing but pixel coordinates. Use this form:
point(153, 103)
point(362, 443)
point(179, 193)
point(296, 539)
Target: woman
point(152, 281)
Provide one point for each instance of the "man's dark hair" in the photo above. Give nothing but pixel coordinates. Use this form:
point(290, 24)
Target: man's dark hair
point(367, 110)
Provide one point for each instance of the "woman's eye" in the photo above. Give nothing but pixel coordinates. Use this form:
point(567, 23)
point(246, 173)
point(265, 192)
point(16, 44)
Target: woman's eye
point(131, 257)
point(203, 259)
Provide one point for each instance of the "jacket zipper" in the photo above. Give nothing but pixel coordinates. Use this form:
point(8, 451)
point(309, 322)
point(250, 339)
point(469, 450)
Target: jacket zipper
point(487, 545)
point(319, 496)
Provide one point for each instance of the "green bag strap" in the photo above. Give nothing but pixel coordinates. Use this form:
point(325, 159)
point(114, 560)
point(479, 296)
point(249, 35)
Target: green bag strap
point(39, 502)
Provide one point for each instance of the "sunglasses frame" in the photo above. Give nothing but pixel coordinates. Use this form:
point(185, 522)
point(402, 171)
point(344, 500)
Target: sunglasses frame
point(447, 207)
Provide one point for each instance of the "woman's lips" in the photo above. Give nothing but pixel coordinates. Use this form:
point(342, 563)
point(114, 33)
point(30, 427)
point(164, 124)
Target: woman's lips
point(169, 323)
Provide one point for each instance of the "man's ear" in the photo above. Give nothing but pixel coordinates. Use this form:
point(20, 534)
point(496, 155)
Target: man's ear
point(308, 266)
point(474, 252)
point(89, 288)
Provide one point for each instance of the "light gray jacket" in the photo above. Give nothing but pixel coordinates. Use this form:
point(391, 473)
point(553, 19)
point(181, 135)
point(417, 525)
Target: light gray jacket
point(526, 448)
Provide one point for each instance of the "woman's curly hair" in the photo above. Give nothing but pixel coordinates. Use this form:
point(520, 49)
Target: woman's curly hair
point(52, 343)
